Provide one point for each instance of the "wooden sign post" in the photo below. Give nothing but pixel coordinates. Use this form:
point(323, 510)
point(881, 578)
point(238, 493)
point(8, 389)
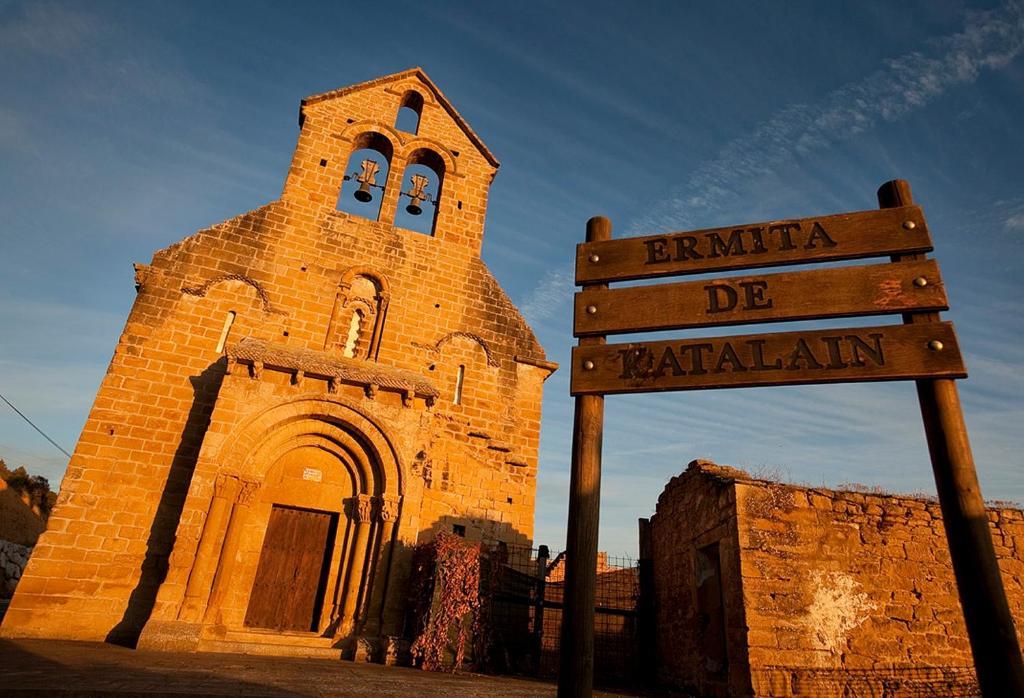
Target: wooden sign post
point(923, 349)
point(997, 657)
point(576, 660)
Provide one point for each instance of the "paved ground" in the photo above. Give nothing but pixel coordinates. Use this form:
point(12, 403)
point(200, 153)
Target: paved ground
point(84, 669)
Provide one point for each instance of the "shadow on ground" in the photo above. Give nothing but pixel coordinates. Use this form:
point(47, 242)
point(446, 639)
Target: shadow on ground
point(85, 669)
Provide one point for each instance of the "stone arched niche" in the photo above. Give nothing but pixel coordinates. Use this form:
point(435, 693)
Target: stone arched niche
point(360, 309)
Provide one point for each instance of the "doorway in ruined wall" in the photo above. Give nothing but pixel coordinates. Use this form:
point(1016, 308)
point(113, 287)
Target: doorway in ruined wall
point(291, 578)
point(711, 613)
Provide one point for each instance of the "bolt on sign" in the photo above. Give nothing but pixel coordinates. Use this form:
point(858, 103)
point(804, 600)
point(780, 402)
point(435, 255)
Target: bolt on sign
point(923, 348)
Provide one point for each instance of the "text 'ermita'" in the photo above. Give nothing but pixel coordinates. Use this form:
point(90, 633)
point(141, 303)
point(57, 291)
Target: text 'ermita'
point(780, 237)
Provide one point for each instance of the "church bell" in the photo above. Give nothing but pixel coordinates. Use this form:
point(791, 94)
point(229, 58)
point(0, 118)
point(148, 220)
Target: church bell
point(366, 179)
point(417, 195)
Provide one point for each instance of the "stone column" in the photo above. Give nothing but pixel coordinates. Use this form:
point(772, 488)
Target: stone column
point(388, 516)
point(229, 553)
point(197, 591)
point(347, 532)
point(364, 521)
point(392, 192)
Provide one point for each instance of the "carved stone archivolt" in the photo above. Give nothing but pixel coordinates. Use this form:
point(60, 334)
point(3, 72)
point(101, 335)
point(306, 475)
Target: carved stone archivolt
point(201, 289)
point(436, 348)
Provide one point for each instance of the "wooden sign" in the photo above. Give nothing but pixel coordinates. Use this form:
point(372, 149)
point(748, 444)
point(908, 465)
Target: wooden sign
point(924, 349)
point(826, 238)
point(890, 352)
point(876, 289)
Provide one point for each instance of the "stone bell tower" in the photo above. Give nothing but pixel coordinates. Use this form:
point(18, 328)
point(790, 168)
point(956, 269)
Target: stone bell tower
point(301, 394)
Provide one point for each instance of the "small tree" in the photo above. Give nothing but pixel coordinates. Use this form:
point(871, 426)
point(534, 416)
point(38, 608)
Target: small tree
point(35, 488)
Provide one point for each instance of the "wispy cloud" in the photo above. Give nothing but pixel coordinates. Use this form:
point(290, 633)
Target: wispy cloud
point(989, 40)
point(104, 61)
point(550, 294)
point(46, 28)
point(14, 132)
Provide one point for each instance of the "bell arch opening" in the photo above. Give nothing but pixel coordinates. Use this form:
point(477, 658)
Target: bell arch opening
point(366, 175)
point(410, 110)
point(424, 181)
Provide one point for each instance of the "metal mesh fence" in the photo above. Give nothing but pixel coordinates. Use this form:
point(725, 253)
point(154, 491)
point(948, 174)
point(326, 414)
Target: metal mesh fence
point(522, 592)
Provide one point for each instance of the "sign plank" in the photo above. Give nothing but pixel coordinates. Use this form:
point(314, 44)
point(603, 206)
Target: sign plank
point(798, 241)
point(876, 289)
point(890, 352)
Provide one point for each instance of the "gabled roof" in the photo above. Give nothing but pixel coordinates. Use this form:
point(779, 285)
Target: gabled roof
point(428, 83)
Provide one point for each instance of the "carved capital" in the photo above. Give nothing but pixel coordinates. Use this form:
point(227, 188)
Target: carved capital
point(225, 486)
point(247, 492)
point(389, 507)
point(363, 508)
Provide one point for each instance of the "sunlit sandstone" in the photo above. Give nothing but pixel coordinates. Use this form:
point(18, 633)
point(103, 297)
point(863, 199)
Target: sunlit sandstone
point(304, 390)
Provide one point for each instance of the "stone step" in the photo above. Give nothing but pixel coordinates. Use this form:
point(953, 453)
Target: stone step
point(277, 638)
point(283, 644)
point(269, 649)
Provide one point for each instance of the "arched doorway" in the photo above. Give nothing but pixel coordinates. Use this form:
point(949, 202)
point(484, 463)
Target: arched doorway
point(306, 490)
point(314, 550)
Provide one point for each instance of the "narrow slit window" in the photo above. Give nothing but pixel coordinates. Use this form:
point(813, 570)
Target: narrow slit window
point(228, 322)
point(355, 327)
point(460, 378)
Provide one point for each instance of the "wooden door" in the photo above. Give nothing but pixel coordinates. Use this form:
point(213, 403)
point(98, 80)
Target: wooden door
point(290, 579)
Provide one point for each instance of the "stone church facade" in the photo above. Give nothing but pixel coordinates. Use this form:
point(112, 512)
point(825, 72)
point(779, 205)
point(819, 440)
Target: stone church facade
point(298, 397)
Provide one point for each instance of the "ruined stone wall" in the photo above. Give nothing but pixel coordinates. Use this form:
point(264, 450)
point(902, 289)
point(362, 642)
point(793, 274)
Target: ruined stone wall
point(697, 510)
point(846, 591)
point(284, 270)
point(827, 593)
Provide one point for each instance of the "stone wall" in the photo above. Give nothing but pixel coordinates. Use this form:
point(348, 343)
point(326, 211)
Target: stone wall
point(13, 558)
point(847, 590)
point(841, 592)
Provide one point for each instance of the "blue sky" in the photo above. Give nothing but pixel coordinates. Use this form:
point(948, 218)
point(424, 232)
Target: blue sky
point(127, 126)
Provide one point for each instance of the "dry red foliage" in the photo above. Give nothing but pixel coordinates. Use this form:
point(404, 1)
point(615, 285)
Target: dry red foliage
point(450, 613)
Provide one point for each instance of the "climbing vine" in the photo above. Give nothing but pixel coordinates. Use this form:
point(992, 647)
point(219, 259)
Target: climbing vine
point(447, 600)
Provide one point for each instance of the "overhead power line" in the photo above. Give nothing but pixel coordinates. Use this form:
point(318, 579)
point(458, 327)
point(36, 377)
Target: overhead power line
point(31, 424)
